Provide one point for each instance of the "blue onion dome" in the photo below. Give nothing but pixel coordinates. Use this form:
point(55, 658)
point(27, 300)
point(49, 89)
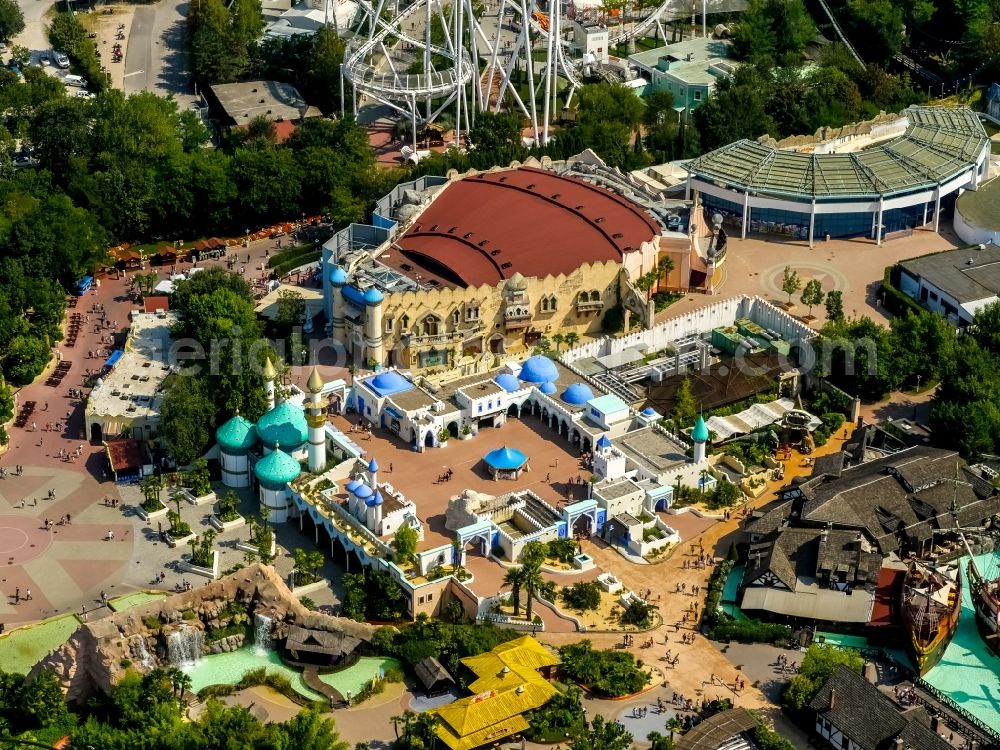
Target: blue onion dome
point(236, 436)
point(373, 296)
point(363, 491)
point(649, 411)
point(374, 500)
point(352, 485)
point(277, 469)
point(547, 388)
point(373, 465)
point(538, 369)
point(338, 276)
point(388, 382)
point(507, 381)
point(285, 424)
point(577, 394)
point(700, 432)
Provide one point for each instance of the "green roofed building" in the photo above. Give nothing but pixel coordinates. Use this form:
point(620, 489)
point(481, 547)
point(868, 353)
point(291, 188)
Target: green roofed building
point(898, 184)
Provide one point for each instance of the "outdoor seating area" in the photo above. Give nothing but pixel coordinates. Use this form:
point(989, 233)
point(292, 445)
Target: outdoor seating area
point(505, 463)
point(60, 371)
point(73, 329)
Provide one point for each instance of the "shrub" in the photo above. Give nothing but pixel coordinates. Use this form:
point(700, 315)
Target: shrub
point(188, 614)
point(125, 663)
point(394, 674)
point(751, 631)
point(582, 596)
point(637, 613)
point(306, 602)
point(152, 623)
point(228, 507)
point(563, 550)
point(151, 505)
point(609, 673)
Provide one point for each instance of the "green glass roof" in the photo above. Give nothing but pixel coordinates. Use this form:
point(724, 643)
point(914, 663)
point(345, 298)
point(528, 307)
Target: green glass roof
point(284, 424)
point(276, 469)
point(236, 436)
point(939, 144)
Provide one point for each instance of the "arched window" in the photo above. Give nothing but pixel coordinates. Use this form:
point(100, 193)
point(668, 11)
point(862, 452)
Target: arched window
point(405, 322)
point(455, 316)
point(595, 296)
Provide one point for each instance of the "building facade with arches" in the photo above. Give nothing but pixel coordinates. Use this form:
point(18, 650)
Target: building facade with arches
point(494, 261)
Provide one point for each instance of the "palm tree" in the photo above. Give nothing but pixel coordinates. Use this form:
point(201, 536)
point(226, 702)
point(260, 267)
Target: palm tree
point(515, 578)
point(571, 338)
point(184, 682)
point(426, 724)
point(664, 266)
point(532, 582)
point(407, 718)
point(174, 675)
point(674, 725)
point(558, 339)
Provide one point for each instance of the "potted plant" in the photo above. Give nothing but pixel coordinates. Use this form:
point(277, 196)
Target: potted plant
point(443, 437)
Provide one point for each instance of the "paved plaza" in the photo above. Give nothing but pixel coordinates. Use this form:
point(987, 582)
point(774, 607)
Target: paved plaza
point(755, 266)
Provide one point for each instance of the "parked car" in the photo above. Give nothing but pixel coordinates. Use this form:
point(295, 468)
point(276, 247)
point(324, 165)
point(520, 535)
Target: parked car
point(61, 60)
point(23, 158)
point(78, 81)
point(84, 94)
point(44, 58)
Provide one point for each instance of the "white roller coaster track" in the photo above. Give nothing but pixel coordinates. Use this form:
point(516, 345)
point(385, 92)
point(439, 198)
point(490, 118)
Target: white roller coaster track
point(470, 55)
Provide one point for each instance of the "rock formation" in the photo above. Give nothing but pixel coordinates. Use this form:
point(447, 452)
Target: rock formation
point(99, 652)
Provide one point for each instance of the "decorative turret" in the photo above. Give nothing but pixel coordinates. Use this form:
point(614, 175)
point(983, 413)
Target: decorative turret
point(338, 280)
point(373, 471)
point(235, 438)
point(699, 434)
point(316, 419)
point(269, 376)
point(373, 325)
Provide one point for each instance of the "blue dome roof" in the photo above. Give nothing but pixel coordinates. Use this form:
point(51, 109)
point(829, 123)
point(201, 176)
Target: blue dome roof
point(538, 369)
point(352, 485)
point(236, 436)
point(276, 469)
point(507, 381)
point(338, 276)
point(603, 442)
point(577, 394)
point(649, 411)
point(700, 432)
point(388, 382)
point(547, 388)
point(505, 458)
point(374, 500)
point(373, 296)
point(373, 465)
point(363, 491)
point(284, 424)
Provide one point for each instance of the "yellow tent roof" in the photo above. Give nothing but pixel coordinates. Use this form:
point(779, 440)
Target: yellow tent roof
point(508, 685)
point(483, 737)
point(521, 652)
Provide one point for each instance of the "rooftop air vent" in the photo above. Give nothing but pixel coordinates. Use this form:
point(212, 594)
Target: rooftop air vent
point(578, 208)
point(556, 197)
point(531, 186)
point(617, 235)
point(467, 235)
point(495, 253)
point(483, 243)
point(599, 220)
point(508, 264)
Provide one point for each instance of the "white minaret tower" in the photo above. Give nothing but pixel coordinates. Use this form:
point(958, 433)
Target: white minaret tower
point(316, 419)
point(338, 279)
point(700, 437)
point(373, 470)
point(269, 376)
point(373, 326)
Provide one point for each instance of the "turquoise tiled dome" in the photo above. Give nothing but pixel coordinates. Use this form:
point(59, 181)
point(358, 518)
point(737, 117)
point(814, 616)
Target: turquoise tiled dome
point(284, 424)
point(700, 432)
point(236, 436)
point(277, 469)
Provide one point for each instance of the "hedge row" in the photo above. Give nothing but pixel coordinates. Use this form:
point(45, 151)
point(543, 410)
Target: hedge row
point(291, 264)
point(287, 255)
point(894, 300)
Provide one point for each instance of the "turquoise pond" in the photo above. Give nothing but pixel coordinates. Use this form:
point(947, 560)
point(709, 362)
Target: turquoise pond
point(219, 669)
point(968, 671)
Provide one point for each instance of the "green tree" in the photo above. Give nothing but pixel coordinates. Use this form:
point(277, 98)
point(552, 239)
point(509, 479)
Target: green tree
point(812, 294)
point(187, 418)
point(835, 306)
point(291, 308)
point(685, 408)
point(819, 664)
point(584, 596)
point(11, 20)
point(790, 282)
point(558, 339)
point(20, 55)
point(515, 578)
point(404, 544)
point(736, 109)
point(603, 735)
point(533, 583)
point(354, 596)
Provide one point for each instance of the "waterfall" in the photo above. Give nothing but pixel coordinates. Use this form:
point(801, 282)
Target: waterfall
point(141, 653)
point(184, 646)
point(262, 627)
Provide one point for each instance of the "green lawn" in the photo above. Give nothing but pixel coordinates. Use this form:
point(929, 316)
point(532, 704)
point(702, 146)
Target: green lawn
point(22, 648)
point(120, 603)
